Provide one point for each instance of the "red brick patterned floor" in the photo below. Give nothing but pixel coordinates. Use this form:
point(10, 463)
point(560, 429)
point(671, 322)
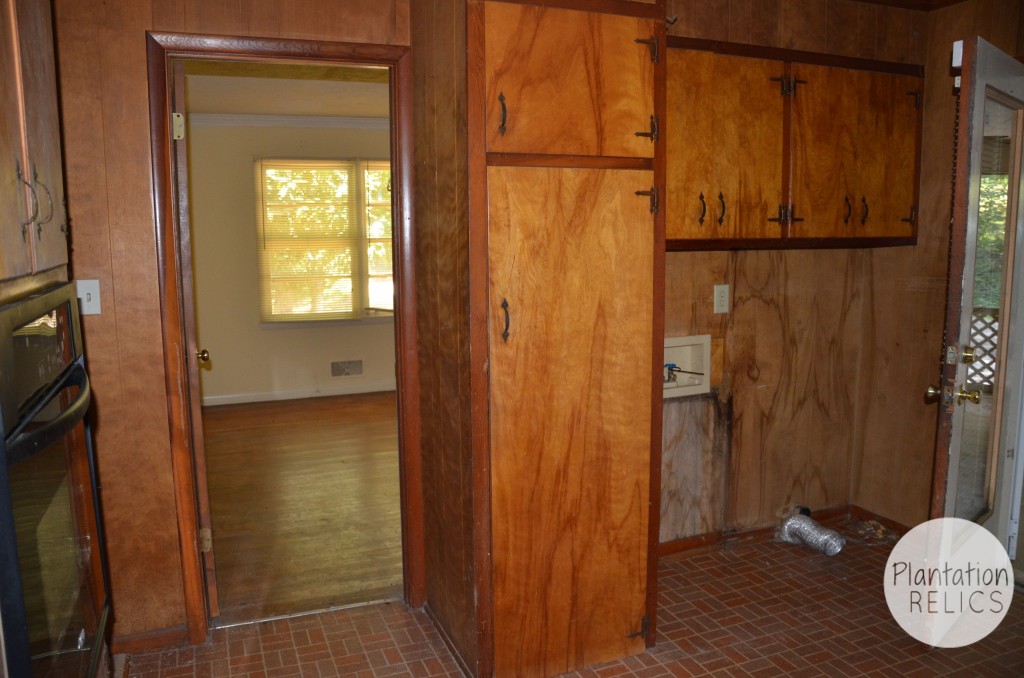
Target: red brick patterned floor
point(746, 610)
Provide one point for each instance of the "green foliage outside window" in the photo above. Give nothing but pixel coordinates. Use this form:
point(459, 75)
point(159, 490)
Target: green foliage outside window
point(988, 275)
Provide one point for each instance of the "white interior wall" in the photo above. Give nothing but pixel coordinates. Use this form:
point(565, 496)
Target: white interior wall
point(251, 361)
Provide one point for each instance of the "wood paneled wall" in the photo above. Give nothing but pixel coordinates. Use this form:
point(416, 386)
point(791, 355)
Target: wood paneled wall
point(105, 108)
point(826, 354)
point(842, 27)
point(442, 261)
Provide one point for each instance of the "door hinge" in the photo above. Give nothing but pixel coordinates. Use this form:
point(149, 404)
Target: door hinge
point(1010, 452)
point(651, 42)
point(653, 195)
point(787, 85)
point(205, 540)
point(177, 126)
point(645, 625)
point(653, 133)
point(917, 97)
point(783, 217)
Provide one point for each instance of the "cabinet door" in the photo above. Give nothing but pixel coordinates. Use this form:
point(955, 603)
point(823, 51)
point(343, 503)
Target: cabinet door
point(570, 266)
point(888, 137)
point(39, 81)
point(724, 138)
point(567, 82)
point(15, 255)
point(825, 152)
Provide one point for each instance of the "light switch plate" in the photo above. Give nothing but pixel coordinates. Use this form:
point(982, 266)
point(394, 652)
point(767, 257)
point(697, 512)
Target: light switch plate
point(88, 292)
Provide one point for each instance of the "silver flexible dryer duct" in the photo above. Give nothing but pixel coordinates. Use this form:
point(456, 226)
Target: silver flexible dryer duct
point(801, 529)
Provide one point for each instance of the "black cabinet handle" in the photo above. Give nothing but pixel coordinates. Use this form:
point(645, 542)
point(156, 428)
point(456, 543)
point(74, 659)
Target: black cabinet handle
point(849, 209)
point(864, 210)
point(703, 209)
point(504, 113)
point(35, 202)
point(721, 217)
point(504, 307)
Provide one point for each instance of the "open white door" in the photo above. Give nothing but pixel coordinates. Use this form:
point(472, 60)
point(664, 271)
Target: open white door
point(983, 361)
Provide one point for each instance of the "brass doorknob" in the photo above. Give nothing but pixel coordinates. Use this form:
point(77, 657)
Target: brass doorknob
point(933, 394)
point(203, 356)
point(973, 396)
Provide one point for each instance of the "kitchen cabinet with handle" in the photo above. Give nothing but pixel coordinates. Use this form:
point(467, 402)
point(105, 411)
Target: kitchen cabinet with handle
point(34, 226)
point(724, 142)
point(570, 288)
point(569, 82)
point(854, 150)
point(816, 154)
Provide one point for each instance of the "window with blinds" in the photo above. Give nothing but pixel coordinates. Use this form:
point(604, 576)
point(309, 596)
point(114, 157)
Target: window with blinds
point(324, 239)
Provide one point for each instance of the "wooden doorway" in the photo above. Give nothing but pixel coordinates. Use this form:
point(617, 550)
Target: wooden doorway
point(180, 347)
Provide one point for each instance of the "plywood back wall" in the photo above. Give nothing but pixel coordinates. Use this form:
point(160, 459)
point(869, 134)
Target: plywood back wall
point(105, 109)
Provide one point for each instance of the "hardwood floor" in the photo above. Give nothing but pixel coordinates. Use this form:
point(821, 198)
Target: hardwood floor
point(304, 502)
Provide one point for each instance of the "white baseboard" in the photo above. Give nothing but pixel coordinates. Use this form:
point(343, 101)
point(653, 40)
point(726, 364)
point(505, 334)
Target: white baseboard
point(236, 398)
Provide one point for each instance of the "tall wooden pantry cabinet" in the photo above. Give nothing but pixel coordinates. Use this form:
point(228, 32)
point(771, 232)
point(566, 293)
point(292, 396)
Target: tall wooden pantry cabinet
point(540, 272)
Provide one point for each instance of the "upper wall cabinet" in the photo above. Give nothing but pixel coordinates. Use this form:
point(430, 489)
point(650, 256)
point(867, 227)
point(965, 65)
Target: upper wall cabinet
point(33, 230)
point(854, 151)
point(767, 152)
point(15, 255)
point(568, 82)
point(725, 180)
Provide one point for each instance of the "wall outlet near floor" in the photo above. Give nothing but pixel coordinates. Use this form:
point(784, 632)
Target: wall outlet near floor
point(346, 368)
point(721, 298)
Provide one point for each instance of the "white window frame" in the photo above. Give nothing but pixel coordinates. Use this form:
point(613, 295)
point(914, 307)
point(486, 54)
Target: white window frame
point(360, 265)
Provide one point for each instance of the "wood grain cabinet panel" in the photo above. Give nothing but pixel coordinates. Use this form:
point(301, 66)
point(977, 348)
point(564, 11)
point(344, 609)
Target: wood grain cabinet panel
point(34, 223)
point(888, 171)
point(571, 300)
point(724, 137)
point(854, 153)
point(15, 252)
point(42, 126)
point(568, 82)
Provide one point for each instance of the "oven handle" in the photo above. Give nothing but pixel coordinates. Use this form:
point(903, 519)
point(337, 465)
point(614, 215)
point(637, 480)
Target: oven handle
point(23, 444)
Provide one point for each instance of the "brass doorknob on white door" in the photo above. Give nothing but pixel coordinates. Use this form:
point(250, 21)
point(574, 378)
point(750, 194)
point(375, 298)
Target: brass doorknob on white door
point(203, 356)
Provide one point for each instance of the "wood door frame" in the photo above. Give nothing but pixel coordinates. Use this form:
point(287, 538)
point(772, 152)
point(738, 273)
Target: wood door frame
point(161, 49)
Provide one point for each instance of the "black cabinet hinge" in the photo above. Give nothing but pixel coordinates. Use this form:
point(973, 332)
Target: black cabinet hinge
point(912, 219)
point(917, 97)
point(653, 133)
point(651, 42)
point(783, 217)
point(645, 626)
point(653, 195)
point(787, 85)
